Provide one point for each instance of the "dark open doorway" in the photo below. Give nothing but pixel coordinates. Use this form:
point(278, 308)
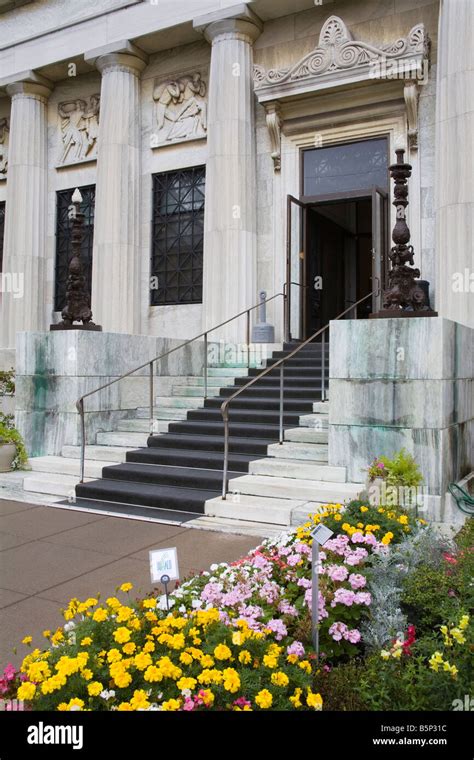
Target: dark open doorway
point(338, 260)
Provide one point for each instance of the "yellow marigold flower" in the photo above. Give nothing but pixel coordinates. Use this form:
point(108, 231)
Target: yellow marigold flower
point(185, 658)
point(129, 648)
point(148, 647)
point(292, 658)
point(169, 669)
point(114, 655)
point(149, 604)
point(245, 657)
point(87, 674)
point(231, 680)
point(264, 699)
point(193, 631)
point(386, 539)
point(314, 700)
point(238, 638)
point(38, 671)
point(210, 676)
point(27, 640)
point(403, 519)
point(381, 510)
point(295, 699)
point(153, 674)
point(122, 635)
point(270, 661)
point(126, 587)
point(86, 641)
point(26, 691)
point(125, 707)
point(124, 614)
point(139, 700)
point(305, 665)
point(177, 641)
point(74, 702)
point(95, 688)
point(346, 526)
point(113, 602)
point(337, 517)
point(46, 634)
point(142, 660)
point(207, 697)
point(222, 652)
point(100, 615)
point(280, 679)
point(122, 680)
point(171, 705)
point(360, 525)
point(151, 616)
point(364, 509)
point(186, 683)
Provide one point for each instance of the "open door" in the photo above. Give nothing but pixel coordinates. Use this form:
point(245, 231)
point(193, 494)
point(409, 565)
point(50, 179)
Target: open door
point(379, 246)
point(296, 285)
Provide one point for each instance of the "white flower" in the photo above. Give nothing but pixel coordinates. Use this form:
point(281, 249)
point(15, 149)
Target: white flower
point(182, 608)
point(213, 567)
point(162, 602)
point(196, 603)
point(69, 626)
point(107, 694)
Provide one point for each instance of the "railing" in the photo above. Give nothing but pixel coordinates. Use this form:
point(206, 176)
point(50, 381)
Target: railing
point(150, 364)
point(280, 363)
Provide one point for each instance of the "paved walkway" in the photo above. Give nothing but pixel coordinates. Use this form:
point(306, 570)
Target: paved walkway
point(48, 555)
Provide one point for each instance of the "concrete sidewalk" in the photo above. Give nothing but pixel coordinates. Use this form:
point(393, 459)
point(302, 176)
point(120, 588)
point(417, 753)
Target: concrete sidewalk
point(48, 555)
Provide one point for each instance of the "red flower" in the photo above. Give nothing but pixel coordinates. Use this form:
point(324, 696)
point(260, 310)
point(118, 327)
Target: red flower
point(449, 558)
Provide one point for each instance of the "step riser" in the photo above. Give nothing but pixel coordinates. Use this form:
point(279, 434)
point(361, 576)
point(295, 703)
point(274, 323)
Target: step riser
point(290, 381)
point(239, 416)
point(255, 404)
point(214, 428)
point(182, 441)
point(271, 392)
point(310, 452)
point(251, 486)
point(101, 453)
point(308, 436)
point(295, 469)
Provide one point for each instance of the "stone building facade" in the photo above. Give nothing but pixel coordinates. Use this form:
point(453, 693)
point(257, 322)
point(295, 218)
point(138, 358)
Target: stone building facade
point(111, 94)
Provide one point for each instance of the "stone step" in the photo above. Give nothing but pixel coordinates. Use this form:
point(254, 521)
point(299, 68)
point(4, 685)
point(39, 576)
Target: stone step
point(308, 451)
point(297, 489)
point(164, 413)
point(178, 402)
point(295, 468)
point(254, 508)
point(102, 453)
point(321, 407)
point(52, 483)
point(227, 372)
point(67, 466)
point(198, 382)
point(306, 435)
point(142, 425)
point(315, 420)
point(130, 440)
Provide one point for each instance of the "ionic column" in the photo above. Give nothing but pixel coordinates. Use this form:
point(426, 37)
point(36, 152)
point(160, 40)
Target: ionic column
point(230, 240)
point(24, 252)
point(454, 158)
point(116, 253)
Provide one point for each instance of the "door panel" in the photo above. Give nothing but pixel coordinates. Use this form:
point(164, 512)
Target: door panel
point(295, 267)
point(379, 246)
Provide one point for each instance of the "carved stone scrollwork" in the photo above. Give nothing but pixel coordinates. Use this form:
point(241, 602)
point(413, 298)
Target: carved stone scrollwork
point(181, 110)
point(337, 50)
point(4, 135)
point(411, 94)
point(273, 118)
point(79, 129)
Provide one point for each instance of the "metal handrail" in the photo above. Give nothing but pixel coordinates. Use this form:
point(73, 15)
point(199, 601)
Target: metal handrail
point(280, 363)
point(150, 363)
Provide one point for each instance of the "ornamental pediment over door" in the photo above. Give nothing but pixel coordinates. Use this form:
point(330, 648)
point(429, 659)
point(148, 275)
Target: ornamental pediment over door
point(340, 59)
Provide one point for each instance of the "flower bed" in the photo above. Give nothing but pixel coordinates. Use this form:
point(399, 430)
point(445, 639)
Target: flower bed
point(238, 637)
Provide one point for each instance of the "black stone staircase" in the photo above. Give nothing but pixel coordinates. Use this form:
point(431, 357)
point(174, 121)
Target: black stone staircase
point(180, 470)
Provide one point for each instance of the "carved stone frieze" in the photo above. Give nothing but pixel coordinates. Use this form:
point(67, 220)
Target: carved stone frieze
point(180, 110)
point(79, 125)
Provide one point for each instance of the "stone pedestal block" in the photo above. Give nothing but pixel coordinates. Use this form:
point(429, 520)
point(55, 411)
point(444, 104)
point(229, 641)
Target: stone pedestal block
point(403, 383)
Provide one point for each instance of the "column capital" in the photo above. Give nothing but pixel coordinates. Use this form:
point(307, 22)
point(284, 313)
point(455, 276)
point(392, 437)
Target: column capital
point(118, 55)
point(236, 22)
point(27, 84)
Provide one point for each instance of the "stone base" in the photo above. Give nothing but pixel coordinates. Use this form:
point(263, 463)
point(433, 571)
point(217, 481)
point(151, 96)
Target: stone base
point(403, 383)
point(88, 326)
point(399, 314)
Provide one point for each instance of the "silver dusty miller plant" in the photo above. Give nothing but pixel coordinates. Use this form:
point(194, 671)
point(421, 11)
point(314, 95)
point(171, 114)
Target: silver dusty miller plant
point(385, 583)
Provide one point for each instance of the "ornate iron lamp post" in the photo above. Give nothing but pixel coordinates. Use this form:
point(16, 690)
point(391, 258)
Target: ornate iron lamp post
point(406, 295)
point(78, 305)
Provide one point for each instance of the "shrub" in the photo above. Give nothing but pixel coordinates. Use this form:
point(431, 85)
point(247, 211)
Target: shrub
point(7, 382)
point(9, 434)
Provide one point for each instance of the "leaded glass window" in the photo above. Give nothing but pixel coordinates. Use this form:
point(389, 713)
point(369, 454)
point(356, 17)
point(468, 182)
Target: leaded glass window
point(344, 168)
point(63, 240)
point(178, 234)
point(2, 232)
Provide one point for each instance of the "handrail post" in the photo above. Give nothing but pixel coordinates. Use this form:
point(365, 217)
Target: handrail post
point(281, 405)
point(225, 415)
point(286, 320)
point(205, 365)
point(151, 399)
point(83, 438)
point(248, 338)
point(323, 366)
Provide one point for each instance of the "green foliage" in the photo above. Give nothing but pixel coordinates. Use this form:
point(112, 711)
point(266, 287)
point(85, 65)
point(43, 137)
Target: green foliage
point(9, 434)
point(402, 470)
point(425, 595)
point(7, 382)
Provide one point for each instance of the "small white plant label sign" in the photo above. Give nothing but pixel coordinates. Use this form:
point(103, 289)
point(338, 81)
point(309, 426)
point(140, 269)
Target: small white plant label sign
point(164, 562)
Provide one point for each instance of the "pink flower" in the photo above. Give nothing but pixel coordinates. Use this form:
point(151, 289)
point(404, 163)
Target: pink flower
point(337, 572)
point(293, 559)
point(353, 636)
point(343, 596)
point(363, 597)
point(380, 465)
point(357, 581)
point(296, 648)
point(357, 537)
point(337, 630)
point(188, 704)
point(242, 702)
point(9, 672)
